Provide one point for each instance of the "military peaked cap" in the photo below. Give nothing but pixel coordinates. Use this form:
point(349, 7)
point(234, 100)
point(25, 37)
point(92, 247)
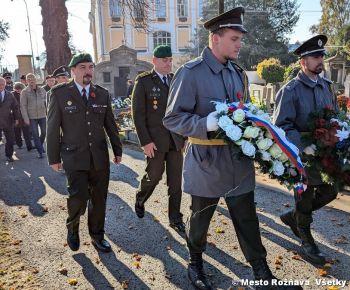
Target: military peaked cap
point(7, 74)
point(61, 71)
point(313, 46)
point(162, 51)
point(231, 19)
point(80, 57)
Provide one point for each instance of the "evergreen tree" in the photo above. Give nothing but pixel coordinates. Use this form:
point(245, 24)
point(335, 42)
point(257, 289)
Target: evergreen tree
point(4, 26)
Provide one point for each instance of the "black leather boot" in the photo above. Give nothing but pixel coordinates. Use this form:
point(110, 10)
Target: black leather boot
point(263, 273)
point(196, 273)
point(309, 248)
point(289, 220)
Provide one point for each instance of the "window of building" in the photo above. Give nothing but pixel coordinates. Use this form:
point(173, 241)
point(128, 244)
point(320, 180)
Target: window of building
point(115, 8)
point(161, 38)
point(161, 8)
point(182, 8)
point(106, 77)
point(138, 9)
point(200, 8)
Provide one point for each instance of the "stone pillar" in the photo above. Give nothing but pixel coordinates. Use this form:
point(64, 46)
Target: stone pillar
point(347, 86)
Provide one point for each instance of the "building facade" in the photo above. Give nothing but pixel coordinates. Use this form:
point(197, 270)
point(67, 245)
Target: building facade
point(172, 22)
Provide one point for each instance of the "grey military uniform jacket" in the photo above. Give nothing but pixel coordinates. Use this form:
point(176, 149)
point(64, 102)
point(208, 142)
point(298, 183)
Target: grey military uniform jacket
point(209, 171)
point(76, 132)
point(294, 103)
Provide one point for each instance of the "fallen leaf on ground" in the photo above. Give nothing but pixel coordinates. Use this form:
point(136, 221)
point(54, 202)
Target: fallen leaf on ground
point(211, 244)
point(224, 222)
point(297, 257)
point(327, 265)
point(322, 272)
point(168, 248)
point(45, 209)
point(235, 247)
point(137, 257)
point(125, 284)
point(341, 240)
point(97, 260)
point(16, 242)
point(72, 281)
point(137, 265)
point(63, 271)
point(219, 231)
point(86, 244)
point(156, 219)
point(23, 215)
point(35, 271)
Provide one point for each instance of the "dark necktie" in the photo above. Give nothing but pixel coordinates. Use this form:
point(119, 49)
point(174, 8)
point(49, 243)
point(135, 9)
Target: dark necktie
point(84, 96)
point(165, 81)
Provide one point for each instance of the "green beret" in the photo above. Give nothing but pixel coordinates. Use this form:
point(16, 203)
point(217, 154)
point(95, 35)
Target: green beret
point(80, 57)
point(162, 51)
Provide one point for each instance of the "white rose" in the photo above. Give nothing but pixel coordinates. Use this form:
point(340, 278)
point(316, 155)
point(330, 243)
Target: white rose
point(275, 151)
point(233, 132)
point(251, 132)
point(264, 144)
point(248, 148)
point(310, 150)
point(238, 115)
point(292, 171)
point(277, 168)
point(224, 121)
point(283, 158)
point(268, 135)
point(221, 107)
point(250, 106)
point(260, 112)
point(266, 156)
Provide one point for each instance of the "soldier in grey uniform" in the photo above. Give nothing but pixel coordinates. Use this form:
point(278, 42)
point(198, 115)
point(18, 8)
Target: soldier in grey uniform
point(210, 169)
point(161, 147)
point(307, 92)
point(79, 118)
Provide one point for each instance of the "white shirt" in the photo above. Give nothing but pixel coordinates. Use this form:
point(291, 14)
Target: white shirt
point(80, 88)
point(2, 96)
point(161, 77)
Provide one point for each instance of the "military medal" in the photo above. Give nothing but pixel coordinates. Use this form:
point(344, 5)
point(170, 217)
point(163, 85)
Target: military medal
point(155, 102)
point(69, 103)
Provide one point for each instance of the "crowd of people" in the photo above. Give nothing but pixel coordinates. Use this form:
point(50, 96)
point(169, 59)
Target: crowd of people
point(175, 121)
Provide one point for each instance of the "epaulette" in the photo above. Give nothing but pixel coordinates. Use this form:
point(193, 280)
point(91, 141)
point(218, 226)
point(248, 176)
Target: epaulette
point(192, 63)
point(239, 68)
point(142, 75)
point(100, 87)
point(291, 84)
point(327, 80)
point(61, 85)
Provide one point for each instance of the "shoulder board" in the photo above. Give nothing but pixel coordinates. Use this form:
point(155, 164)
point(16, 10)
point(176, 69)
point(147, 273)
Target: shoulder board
point(239, 68)
point(291, 84)
point(192, 63)
point(144, 74)
point(100, 87)
point(327, 80)
point(59, 86)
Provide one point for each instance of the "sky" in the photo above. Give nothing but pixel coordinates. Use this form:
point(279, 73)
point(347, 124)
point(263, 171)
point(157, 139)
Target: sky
point(14, 12)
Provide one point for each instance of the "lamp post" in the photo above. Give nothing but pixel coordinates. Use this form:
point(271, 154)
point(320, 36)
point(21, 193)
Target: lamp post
point(30, 35)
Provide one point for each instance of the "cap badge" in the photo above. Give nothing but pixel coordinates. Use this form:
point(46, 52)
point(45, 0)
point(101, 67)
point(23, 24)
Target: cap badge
point(319, 42)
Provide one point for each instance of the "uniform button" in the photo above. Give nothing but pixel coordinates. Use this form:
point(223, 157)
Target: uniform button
point(90, 133)
point(88, 123)
point(90, 144)
point(87, 113)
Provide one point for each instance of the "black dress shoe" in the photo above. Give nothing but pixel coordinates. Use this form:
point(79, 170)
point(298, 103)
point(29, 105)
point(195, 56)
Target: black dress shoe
point(73, 241)
point(140, 210)
point(9, 159)
point(101, 245)
point(311, 253)
point(289, 220)
point(179, 227)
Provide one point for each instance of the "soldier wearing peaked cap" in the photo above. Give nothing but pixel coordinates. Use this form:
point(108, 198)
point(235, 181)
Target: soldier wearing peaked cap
point(61, 74)
point(9, 83)
point(210, 169)
point(161, 147)
point(308, 92)
point(80, 118)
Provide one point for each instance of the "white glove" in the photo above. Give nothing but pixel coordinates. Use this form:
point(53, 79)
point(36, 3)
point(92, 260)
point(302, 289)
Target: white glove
point(212, 122)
